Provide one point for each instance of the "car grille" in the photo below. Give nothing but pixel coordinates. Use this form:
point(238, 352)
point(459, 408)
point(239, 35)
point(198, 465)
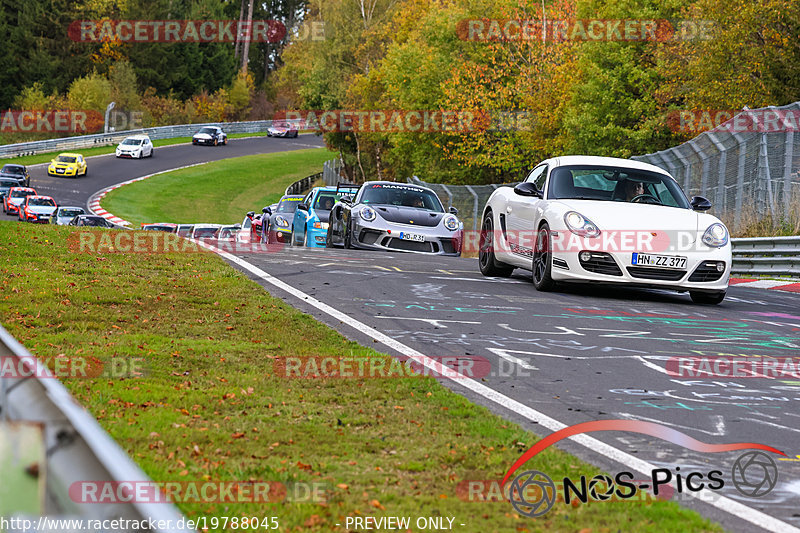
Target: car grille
point(410, 246)
point(368, 236)
point(706, 272)
point(448, 246)
point(601, 263)
point(663, 274)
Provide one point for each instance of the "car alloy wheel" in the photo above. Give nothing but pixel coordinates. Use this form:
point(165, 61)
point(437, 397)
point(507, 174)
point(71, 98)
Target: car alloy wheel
point(543, 260)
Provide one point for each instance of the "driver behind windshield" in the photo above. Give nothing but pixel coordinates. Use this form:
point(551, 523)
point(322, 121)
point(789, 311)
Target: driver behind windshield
point(633, 189)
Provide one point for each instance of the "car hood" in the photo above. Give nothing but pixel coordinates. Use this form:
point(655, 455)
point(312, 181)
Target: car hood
point(42, 209)
point(16, 201)
point(408, 215)
point(626, 216)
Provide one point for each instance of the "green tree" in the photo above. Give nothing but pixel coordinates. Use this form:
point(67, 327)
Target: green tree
point(91, 92)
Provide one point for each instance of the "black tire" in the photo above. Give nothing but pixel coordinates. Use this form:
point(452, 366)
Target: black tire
point(712, 298)
point(487, 261)
point(348, 238)
point(152, 151)
point(329, 237)
point(296, 134)
point(543, 260)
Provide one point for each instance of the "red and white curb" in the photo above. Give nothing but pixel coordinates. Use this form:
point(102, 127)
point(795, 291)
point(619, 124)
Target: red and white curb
point(771, 284)
point(96, 198)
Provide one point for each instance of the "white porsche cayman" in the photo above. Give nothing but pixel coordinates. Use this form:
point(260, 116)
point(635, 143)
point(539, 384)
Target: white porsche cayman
point(605, 220)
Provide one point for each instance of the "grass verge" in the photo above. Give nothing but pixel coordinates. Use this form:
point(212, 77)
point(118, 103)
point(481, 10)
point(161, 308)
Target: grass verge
point(220, 191)
point(211, 407)
point(45, 157)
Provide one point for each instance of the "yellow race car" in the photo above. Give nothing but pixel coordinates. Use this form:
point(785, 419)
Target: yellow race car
point(67, 165)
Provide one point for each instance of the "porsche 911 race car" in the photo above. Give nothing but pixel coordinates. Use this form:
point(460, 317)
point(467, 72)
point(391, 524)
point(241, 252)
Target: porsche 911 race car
point(210, 136)
point(64, 214)
point(276, 226)
point(605, 220)
point(37, 209)
point(310, 223)
point(68, 165)
point(397, 217)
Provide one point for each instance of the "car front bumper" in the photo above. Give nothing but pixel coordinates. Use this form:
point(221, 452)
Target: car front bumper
point(390, 238)
point(700, 274)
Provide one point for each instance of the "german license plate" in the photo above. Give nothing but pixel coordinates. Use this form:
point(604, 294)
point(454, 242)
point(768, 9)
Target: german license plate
point(412, 237)
point(662, 261)
point(59, 170)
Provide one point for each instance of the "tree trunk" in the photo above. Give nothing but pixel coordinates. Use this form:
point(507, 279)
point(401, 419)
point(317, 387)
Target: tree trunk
point(238, 45)
point(248, 37)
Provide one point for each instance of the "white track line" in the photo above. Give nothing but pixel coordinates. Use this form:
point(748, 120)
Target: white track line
point(722, 503)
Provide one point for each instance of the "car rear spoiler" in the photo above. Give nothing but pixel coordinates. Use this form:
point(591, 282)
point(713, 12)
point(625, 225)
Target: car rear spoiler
point(351, 186)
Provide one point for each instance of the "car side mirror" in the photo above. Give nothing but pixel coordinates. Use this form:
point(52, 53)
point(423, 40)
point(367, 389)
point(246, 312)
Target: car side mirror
point(267, 211)
point(453, 210)
point(302, 207)
point(250, 214)
point(526, 188)
point(699, 203)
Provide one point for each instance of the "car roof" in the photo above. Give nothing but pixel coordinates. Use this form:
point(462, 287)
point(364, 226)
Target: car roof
point(22, 189)
point(566, 160)
point(70, 154)
point(207, 226)
point(138, 136)
point(40, 196)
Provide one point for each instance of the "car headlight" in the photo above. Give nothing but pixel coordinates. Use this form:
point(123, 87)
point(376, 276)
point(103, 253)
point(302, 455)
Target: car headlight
point(451, 222)
point(580, 225)
point(368, 214)
point(282, 222)
point(320, 225)
point(716, 235)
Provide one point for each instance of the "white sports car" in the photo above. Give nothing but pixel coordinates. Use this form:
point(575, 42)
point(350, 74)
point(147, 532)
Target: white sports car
point(605, 220)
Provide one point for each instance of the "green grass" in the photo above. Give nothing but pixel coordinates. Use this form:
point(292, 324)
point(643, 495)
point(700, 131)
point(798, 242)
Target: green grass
point(218, 192)
point(45, 157)
point(211, 406)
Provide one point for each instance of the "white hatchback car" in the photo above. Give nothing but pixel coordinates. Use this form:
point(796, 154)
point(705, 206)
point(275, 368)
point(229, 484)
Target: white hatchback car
point(605, 220)
point(135, 146)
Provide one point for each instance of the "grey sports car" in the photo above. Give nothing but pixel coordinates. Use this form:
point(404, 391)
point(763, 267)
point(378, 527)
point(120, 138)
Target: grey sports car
point(399, 217)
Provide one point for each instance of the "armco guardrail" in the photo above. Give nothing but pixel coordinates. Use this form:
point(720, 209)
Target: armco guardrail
point(78, 449)
point(778, 256)
point(302, 185)
point(105, 139)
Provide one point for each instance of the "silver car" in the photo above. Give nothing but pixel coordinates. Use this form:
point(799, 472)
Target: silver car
point(64, 214)
point(398, 217)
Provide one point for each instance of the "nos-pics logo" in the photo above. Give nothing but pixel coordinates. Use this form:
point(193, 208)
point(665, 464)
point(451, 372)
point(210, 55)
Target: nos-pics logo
point(533, 493)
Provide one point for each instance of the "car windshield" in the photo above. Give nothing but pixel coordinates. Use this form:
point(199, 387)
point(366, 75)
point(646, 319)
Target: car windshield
point(98, 222)
point(70, 212)
point(209, 131)
point(205, 233)
point(289, 205)
point(401, 195)
point(21, 194)
point(615, 184)
point(185, 231)
point(325, 201)
point(42, 201)
point(132, 142)
point(13, 169)
point(65, 159)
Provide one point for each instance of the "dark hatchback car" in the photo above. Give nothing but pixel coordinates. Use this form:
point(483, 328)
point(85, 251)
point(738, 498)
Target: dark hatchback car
point(91, 221)
point(18, 172)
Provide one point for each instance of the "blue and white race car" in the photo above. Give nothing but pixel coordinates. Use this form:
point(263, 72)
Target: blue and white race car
point(310, 223)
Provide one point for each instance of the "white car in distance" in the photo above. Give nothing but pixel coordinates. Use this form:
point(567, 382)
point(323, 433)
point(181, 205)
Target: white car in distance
point(135, 147)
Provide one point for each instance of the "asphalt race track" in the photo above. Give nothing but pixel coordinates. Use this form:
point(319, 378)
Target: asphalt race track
point(107, 170)
point(576, 355)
